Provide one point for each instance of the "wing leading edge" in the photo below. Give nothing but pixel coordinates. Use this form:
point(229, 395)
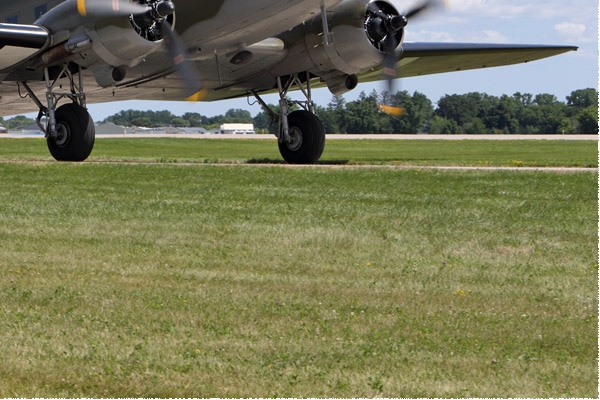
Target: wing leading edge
point(30, 36)
point(18, 42)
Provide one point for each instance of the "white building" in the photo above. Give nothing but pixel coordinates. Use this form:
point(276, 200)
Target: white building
point(237, 129)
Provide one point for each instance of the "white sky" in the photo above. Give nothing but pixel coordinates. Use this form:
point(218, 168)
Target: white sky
point(573, 22)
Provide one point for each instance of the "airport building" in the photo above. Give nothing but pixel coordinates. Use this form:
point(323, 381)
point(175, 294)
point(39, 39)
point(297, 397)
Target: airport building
point(236, 129)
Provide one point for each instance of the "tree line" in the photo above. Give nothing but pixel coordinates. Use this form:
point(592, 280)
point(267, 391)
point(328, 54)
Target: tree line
point(521, 113)
point(471, 113)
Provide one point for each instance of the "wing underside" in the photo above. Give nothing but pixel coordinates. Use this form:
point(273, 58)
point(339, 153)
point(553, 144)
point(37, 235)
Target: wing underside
point(417, 59)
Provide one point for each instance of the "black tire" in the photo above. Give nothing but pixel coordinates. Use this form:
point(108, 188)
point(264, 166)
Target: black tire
point(75, 134)
point(307, 139)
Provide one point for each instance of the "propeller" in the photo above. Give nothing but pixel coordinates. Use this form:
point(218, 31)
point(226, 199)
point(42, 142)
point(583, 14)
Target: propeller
point(184, 66)
point(156, 13)
point(386, 27)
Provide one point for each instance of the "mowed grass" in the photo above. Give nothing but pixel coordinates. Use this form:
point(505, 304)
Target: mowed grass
point(513, 153)
point(168, 280)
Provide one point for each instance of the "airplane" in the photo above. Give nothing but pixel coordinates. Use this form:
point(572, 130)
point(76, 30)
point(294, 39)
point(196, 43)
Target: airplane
point(75, 52)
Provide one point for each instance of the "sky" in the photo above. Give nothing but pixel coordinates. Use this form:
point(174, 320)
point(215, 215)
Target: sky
point(573, 22)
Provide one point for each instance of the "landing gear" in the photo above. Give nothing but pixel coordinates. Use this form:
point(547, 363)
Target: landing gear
point(301, 135)
point(69, 130)
point(75, 134)
point(306, 139)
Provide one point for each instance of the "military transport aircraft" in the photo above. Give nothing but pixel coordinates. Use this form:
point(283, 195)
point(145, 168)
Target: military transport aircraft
point(79, 51)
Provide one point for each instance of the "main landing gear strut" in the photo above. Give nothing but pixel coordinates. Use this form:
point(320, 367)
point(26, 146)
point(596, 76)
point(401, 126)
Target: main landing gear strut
point(301, 135)
point(69, 129)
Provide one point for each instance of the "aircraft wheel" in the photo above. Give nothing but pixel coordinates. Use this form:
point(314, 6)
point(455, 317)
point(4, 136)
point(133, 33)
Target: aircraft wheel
point(307, 138)
point(75, 134)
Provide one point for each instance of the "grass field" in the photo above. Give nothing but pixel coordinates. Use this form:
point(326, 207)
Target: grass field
point(513, 153)
point(156, 280)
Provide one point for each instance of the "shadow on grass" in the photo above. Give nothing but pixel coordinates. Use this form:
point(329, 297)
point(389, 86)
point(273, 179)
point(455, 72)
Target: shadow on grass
point(280, 161)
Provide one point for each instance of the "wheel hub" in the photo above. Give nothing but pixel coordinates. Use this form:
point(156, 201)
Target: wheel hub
point(62, 135)
point(295, 141)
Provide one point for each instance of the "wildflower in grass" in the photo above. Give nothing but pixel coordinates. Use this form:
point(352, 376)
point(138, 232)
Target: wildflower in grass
point(460, 292)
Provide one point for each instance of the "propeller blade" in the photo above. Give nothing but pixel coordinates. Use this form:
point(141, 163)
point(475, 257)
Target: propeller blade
point(391, 110)
point(390, 25)
point(426, 5)
point(185, 68)
point(389, 63)
point(109, 8)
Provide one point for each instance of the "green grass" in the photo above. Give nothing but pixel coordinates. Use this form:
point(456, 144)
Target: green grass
point(514, 153)
point(160, 280)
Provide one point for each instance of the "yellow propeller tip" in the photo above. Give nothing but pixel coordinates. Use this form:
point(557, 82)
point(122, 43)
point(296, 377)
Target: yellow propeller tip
point(81, 8)
point(197, 96)
point(391, 110)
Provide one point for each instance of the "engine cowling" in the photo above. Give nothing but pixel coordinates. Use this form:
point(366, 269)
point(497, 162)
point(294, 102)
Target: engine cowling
point(355, 44)
point(111, 45)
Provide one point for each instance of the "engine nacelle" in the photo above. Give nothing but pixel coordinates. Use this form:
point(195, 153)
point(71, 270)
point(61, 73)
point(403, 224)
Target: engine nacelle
point(121, 45)
point(340, 84)
point(111, 45)
point(355, 44)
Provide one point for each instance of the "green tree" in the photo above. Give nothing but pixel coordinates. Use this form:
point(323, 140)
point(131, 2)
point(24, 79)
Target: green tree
point(566, 126)
point(466, 113)
point(238, 115)
point(160, 118)
point(475, 126)
point(264, 121)
point(526, 99)
point(328, 119)
point(194, 119)
point(363, 115)
point(588, 120)
point(583, 98)
point(545, 99)
point(545, 118)
point(507, 112)
point(333, 115)
point(444, 126)
point(142, 122)
point(418, 110)
point(180, 122)
point(461, 108)
point(18, 122)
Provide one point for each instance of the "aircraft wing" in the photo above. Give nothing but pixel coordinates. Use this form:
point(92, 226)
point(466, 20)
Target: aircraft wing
point(416, 59)
point(419, 59)
point(229, 71)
